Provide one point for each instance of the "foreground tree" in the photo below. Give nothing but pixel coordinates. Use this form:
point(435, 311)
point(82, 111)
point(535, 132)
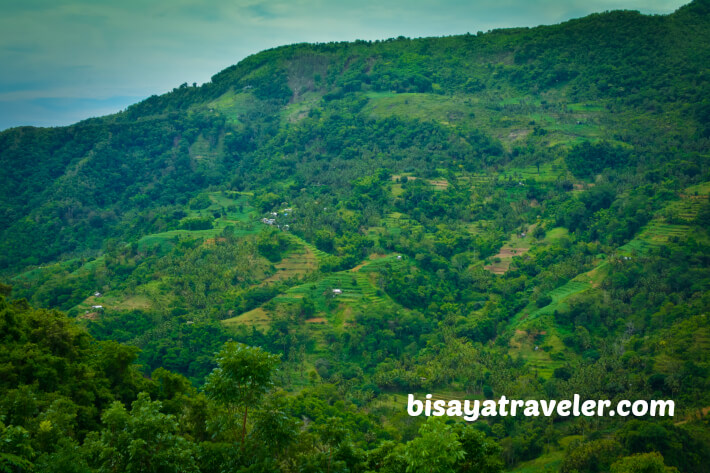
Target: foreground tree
point(436, 450)
point(143, 440)
point(242, 376)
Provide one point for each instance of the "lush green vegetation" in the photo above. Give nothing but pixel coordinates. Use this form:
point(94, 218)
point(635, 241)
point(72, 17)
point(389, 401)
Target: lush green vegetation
point(255, 272)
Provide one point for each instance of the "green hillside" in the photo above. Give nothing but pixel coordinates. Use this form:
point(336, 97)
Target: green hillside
point(521, 213)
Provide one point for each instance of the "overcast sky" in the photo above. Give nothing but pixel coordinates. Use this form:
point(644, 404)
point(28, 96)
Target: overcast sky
point(63, 61)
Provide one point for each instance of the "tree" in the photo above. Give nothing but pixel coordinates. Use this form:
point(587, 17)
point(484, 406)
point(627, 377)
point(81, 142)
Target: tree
point(242, 376)
point(592, 456)
point(436, 450)
point(482, 453)
point(642, 463)
point(142, 440)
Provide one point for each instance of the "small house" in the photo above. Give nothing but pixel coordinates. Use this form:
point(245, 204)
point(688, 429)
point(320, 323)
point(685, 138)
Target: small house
point(337, 291)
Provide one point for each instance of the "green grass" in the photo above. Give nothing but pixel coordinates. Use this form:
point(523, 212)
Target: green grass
point(299, 110)
point(549, 172)
point(521, 100)
point(558, 295)
point(427, 107)
point(219, 201)
point(547, 462)
point(202, 148)
point(585, 107)
point(656, 233)
point(298, 262)
point(258, 318)
point(36, 273)
point(395, 222)
point(356, 285)
point(233, 105)
point(295, 239)
point(555, 234)
point(380, 263)
point(321, 292)
point(659, 231)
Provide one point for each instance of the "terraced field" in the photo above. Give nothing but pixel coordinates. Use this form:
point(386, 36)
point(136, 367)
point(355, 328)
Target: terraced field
point(560, 294)
point(687, 209)
point(298, 262)
point(660, 230)
point(395, 221)
point(258, 318)
point(356, 285)
point(517, 245)
point(549, 172)
point(237, 213)
point(318, 254)
point(356, 289)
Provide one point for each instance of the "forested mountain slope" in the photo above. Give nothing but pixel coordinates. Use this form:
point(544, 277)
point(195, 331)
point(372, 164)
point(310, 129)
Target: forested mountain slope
point(284, 111)
point(522, 212)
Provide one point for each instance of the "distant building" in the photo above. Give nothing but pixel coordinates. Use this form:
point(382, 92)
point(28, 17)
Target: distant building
point(97, 294)
point(98, 307)
point(337, 291)
point(399, 257)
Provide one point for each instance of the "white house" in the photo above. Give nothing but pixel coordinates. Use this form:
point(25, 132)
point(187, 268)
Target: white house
point(337, 291)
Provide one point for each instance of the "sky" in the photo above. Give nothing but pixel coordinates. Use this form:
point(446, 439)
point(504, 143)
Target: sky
point(64, 61)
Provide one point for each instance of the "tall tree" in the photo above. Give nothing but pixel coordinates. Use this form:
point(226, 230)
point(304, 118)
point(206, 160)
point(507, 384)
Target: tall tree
point(242, 376)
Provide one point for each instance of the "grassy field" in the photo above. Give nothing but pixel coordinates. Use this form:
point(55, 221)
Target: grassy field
point(548, 462)
point(233, 105)
point(295, 239)
point(510, 120)
point(549, 172)
point(395, 222)
point(535, 321)
point(517, 245)
point(202, 148)
point(258, 318)
point(660, 230)
point(296, 263)
point(357, 291)
point(237, 213)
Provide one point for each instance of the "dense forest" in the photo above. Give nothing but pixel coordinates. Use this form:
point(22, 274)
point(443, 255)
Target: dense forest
point(252, 275)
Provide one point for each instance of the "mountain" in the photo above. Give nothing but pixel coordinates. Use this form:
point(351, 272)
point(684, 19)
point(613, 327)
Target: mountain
point(522, 212)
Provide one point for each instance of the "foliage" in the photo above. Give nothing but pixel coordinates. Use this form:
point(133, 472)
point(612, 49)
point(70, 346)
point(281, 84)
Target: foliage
point(520, 212)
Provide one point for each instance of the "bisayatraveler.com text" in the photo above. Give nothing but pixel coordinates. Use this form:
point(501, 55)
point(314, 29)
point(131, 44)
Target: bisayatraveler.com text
point(472, 410)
